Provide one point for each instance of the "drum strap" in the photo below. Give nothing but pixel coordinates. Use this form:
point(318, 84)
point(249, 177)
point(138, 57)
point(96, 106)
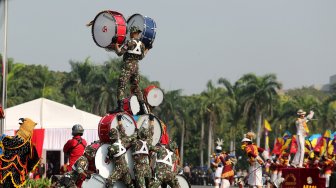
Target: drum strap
point(143, 149)
point(168, 159)
point(137, 49)
point(121, 149)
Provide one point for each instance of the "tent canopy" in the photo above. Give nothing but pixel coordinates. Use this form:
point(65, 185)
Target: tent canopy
point(49, 115)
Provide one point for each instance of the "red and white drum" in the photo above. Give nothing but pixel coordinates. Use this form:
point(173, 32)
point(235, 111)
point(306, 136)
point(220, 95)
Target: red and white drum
point(153, 95)
point(96, 181)
point(110, 121)
point(109, 27)
point(144, 121)
point(131, 105)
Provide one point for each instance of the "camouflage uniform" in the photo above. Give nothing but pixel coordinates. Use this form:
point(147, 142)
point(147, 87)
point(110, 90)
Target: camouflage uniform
point(132, 52)
point(165, 168)
point(80, 170)
point(140, 150)
point(116, 152)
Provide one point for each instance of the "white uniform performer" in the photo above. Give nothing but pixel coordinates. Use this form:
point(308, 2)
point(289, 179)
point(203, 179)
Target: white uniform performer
point(217, 163)
point(301, 133)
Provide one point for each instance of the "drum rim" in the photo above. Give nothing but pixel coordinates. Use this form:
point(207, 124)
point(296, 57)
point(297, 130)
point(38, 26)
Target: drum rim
point(94, 21)
point(182, 175)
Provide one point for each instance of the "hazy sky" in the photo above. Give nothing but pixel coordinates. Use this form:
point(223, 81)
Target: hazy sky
point(196, 41)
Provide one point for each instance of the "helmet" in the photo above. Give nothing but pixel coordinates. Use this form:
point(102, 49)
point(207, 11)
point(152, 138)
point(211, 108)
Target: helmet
point(77, 129)
point(135, 29)
point(172, 145)
point(219, 148)
point(90, 151)
point(113, 134)
point(143, 133)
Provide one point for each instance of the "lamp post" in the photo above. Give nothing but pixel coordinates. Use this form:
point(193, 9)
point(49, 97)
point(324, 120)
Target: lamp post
point(4, 67)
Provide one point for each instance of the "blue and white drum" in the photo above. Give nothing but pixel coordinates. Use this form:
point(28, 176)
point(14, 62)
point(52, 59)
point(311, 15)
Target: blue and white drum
point(147, 25)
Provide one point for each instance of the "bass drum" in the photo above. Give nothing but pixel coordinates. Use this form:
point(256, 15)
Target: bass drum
point(96, 181)
point(153, 95)
point(105, 169)
point(143, 121)
point(110, 121)
point(147, 25)
point(108, 28)
point(182, 180)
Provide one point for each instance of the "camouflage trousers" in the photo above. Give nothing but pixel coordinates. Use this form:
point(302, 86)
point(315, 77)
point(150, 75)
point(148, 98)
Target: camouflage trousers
point(143, 175)
point(165, 177)
point(120, 172)
point(129, 73)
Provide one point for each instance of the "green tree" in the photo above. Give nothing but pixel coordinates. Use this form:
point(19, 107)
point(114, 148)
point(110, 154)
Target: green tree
point(258, 96)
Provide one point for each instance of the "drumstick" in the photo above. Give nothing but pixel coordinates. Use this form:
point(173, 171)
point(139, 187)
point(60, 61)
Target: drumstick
point(89, 24)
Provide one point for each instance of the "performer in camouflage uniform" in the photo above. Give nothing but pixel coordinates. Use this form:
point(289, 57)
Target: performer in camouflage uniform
point(80, 170)
point(166, 166)
point(116, 152)
point(140, 149)
point(133, 51)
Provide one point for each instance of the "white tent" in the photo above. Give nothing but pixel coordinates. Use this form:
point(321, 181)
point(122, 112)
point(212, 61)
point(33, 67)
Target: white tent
point(57, 120)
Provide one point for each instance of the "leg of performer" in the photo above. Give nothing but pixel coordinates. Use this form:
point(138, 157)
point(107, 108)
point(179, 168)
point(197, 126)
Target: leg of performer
point(225, 183)
point(123, 78)
point(127, 179)
point(296, 159)
point(301, 148)
point(135, 80)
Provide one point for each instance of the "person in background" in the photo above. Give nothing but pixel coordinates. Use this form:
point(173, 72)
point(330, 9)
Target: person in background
point(75, 147)
point(187, 171)
point(301, 133)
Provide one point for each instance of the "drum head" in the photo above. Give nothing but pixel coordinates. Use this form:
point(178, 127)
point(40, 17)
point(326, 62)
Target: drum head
point(95, 181)
point(104, 169)
point(135, 20)
point(154, 97)
point(144, 121)
point(134, 104)
point(104, 29)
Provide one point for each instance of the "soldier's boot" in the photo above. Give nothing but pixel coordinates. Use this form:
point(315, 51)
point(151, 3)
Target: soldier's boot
point(143, 108)
point(120, 107)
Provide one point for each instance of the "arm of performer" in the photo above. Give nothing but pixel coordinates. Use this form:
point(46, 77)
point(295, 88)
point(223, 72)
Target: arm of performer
point(151, 128)
point(120, 127)
point(310, 116)
point(121, 50)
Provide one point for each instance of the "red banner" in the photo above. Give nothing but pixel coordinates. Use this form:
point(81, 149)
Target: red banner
point(37, 140)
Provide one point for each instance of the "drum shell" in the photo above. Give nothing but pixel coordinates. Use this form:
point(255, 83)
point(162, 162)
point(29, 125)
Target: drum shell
point(110, 121)
point(95, 181)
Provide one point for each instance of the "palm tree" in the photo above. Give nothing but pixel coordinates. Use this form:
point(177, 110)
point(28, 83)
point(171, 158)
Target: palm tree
point(214, 108)
point(258, 96)
point(234, 108)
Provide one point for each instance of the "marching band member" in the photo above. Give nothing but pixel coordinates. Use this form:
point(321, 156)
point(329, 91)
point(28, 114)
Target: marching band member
point(116, 152)
point(327, 166)
point(81, 170)
point(166, 166)
point(301, 133)
point(132, 51)
point(140, 149)
point(255, 161)
point(217, 164)
point(227, 172)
